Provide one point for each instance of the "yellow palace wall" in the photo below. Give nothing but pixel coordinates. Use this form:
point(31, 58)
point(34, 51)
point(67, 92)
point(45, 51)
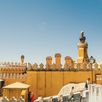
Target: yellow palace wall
point(50, 82)
point(11, 80)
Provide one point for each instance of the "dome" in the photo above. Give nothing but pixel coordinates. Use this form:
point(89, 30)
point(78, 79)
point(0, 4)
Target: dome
point(49, 58)
point(68, 57)
point(22, 56)
point(57, 55)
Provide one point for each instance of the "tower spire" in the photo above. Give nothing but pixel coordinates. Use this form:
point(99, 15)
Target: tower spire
point(82, 49)
point(82, 37)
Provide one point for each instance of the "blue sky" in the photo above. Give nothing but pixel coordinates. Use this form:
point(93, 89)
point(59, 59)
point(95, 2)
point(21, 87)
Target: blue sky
point(39, 28)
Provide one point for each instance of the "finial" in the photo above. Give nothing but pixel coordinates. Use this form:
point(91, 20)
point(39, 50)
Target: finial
point(48, 58)
point(82, 37)
point(57, 55)
point(82, 34)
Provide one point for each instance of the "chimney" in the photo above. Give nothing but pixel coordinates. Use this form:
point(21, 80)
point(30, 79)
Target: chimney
point(49, 60)
point(58, 59)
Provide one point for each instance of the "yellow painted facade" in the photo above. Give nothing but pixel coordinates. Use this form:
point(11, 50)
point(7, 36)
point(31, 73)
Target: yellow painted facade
point(49, 83)
point(12, 92)
point(16, 90)
point(11, 80)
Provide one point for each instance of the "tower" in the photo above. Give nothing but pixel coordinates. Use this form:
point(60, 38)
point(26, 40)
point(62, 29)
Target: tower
point(22, 59)
point(82, 49)
point(48, 61)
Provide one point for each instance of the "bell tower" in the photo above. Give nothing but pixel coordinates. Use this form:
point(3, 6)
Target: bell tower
point(82, 49)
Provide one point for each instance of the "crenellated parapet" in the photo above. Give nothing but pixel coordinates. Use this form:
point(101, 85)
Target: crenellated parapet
point(69, 65)
point(51, 65)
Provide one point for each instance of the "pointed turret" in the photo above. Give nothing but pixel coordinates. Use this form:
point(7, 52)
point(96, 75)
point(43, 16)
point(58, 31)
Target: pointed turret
point(82, 49)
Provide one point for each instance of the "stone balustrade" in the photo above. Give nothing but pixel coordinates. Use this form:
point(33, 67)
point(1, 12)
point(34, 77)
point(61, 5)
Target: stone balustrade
point(61, 98)
point(12, 70)
point(11, 64)
point(13, 99)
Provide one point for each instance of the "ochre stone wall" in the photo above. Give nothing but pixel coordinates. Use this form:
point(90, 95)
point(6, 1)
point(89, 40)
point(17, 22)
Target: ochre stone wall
point(32, 80)
point(11, 80)
point(47, 83)
point(57, 82)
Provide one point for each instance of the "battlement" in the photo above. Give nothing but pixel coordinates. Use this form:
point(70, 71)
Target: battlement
point(66, 67)
point(69, 65)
